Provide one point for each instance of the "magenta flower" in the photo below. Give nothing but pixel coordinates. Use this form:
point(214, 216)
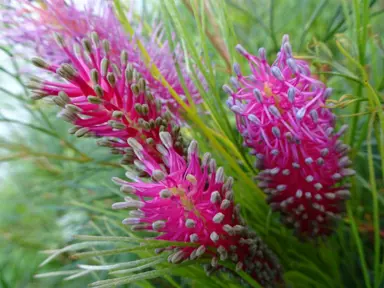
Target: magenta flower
point(105, 99)
point(34, 25)
point(280, 111)
point(191, 200)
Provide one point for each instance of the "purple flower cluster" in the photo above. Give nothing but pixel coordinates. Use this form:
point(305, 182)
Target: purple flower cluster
point(281, 113)
point(34, 25)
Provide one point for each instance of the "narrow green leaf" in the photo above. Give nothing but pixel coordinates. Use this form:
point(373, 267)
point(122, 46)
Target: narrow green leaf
point(58, 273)
point(110, 267)
point(138, 268)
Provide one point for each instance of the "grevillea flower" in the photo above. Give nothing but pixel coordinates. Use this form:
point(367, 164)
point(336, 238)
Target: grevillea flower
point(191, 200)
point(34, 25)
point(105, 99)
point(280, 111)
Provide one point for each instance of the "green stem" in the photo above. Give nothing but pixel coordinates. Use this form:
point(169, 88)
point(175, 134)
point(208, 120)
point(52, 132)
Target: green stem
point(361, 138)
point(376, 217)
point(356, 109)
point(361, 48)
point(355, 234)
point(272, 25)
point(312, 19)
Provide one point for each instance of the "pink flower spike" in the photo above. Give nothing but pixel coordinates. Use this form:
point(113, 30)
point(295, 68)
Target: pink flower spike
point(33, 25)
point(191, 200)
point(103, 98)
point(281, 113)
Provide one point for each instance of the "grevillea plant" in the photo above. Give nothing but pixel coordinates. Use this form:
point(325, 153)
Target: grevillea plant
point(282, 115)
point(35, 25)
point(125, 78)
point(107, 99)
point(191, 200)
